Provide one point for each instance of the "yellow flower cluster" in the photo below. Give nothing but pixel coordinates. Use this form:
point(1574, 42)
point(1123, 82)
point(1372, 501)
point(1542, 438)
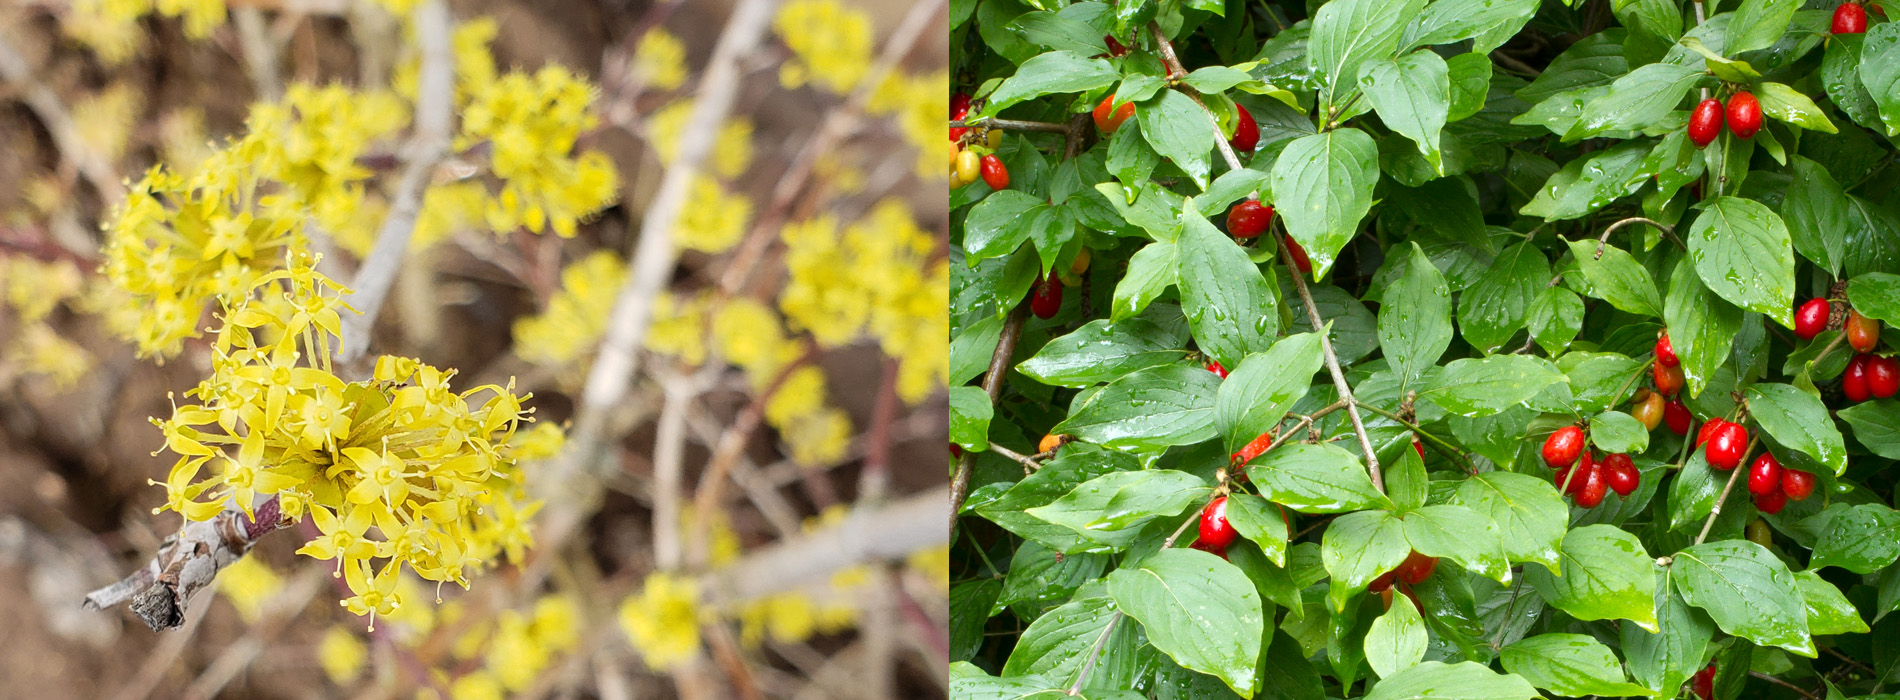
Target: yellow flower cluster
point(249, 584)
point(732, 150)
point(341, 655)
point(751, 335)
point(663, 620)
point(830, 43)
point(431, 469)
point(877, 276)
point(105, 119)
point(111, 27)
point(576, 317)
point(518, 647)
point(660, 60)
point(33, 289)
point(183, 237)
point(530, 123)
point(714, 220)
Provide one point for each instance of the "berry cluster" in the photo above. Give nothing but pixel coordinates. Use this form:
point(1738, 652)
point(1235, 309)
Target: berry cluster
point(1666, 371)
point(1592, 478)
point(1743, 112)
point(971, 159)
point(1411, 572)
point(1868, 376)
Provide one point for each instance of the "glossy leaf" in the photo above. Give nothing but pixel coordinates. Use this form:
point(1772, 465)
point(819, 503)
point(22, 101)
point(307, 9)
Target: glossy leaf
point(1798, 420)
point(1397, 639)
point(1228, 302)
point(1357, 548)
point(1862, 539)
point(1316, 479)
point(1103, 351)
point(1702, 326)
point(1471, 387)
point(1200, 611)
point(1412, 96)
point(1572, 665)
point(1742, 250)
point(1322, 187)
point(1159, 406)
point(1746, 590)
point(1415, 319)
point(1606, 575)
point(1433, 680)
point(1258, 392)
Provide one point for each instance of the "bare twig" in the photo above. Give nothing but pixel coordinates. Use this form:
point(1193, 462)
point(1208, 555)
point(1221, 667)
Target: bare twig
point(260, 53)
point(1095, 653)
point(1332, 365)
point(899, 528)
point(1605, 238)
point(668, 456)
point(1734, 476)
point(1777, 681)
point(1011, 125)
point(427, 146)
point(874, 477)
point(1028, 462)
point(992, 385)
point(187, 563)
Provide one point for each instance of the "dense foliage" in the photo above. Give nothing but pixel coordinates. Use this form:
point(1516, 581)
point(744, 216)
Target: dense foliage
point(1424, 349)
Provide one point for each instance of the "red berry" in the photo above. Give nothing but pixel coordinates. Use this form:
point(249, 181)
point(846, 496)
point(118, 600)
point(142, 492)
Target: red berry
point(1668, 378)
point(1863, 333)
point(1620, 473)
point(1246, 132)
point(1416, 567)
point(1047, 298)
point(1648, 411)
point(1562, 447)
point(1416, 445)
point(1298, 254)
point(1665, 352)
point(1797, 484)
point(956, 451)
point(1210, 549)
point(1708, 429)
point(1594, 487)
point(994, 173)
point(1383, 582)
point(1724, 450)
point(1705, 682)
point(1705, 123)
point(1771, 502)
point(1677, 416)
point(1854, 380)
point(1883, 376)
point(1253, 449)
point(1744, 114)
point(959, 108)
point(1248, 218)
point(1764, 476)
point(1109, 122)
point(1214, 366)
point(1574, 484)
point(1811, 318)
point(1115, 48)
point(1850, 18)
point(1215, 530)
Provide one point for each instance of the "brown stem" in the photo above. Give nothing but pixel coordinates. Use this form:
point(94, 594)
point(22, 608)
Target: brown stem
point(1011, 125)
point(992, 385)
point(1332, 365)
point(1777, 681)
point(1028, 462)
point(1734, 476)
point(1605, 238)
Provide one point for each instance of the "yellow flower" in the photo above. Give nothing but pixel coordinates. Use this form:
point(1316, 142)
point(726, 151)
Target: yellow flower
point(576, 317)
point(341, 655)
point(480, 685)
point(803, 392)
point(713, 220)
point(530, 124)
point(105, 119)
point(374, 595)
point(679, 328)
point(818, 438)
point(663, 621)
point(249, 584)
point(830, 43)
point(732, 151)
point(933, 563)
point(660, 59)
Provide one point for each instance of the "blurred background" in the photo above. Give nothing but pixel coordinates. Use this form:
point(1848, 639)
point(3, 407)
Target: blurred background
point(756, 507)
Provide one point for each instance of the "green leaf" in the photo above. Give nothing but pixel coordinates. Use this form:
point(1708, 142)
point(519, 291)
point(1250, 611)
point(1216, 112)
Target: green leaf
point(1876, 426)
point(1470, 75)
point(1415, 318)
point(1461, 534)
point(1759, 24)
point(1111, 509)
point(1072, 466)
point(1444, 206)
point(970, 417)
point(1488, 22)
point(969, 609)
point(1840, 77)
point(1357, 548)
point(1180, 131)
point(1529, 513)
point(1499, 303)
point(1862, 539)
point(1000, 223)
point(1231, 187)
point(1432, 680)
point(1150, 272)
point(1199, 610)
point(1596, 60)
point(1041, 577)
point(1155, 407)
point(1322, 186)
point(1412, 96)
point(1592, 182)
point(1316, 479)
point(970, 351)
point(1616, 431)
point(1702, 326)
point(1692, 494)
point(1259, 521)
point(1555, 317)
point(1347, 34)
point(1880, 71)
point(1572, 665)
point(1829, 612)
point(1050, 73)
point(1784, 103)
point(1742, 250)
point(1057, 644)
point(1397, 639)
point(1663, 660)
point(1617, 278)
point(1472, 387)
point(1798, 420)
point(1606, 575)
point(1598, 380)
point(1130, 158)
point(1876, 295)
point(1747, 591)
point(1258, 392)
point(1102, 351)
point(1217, 79)
point(1229, 303)
point(1635, 101)
point(1052, 30)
